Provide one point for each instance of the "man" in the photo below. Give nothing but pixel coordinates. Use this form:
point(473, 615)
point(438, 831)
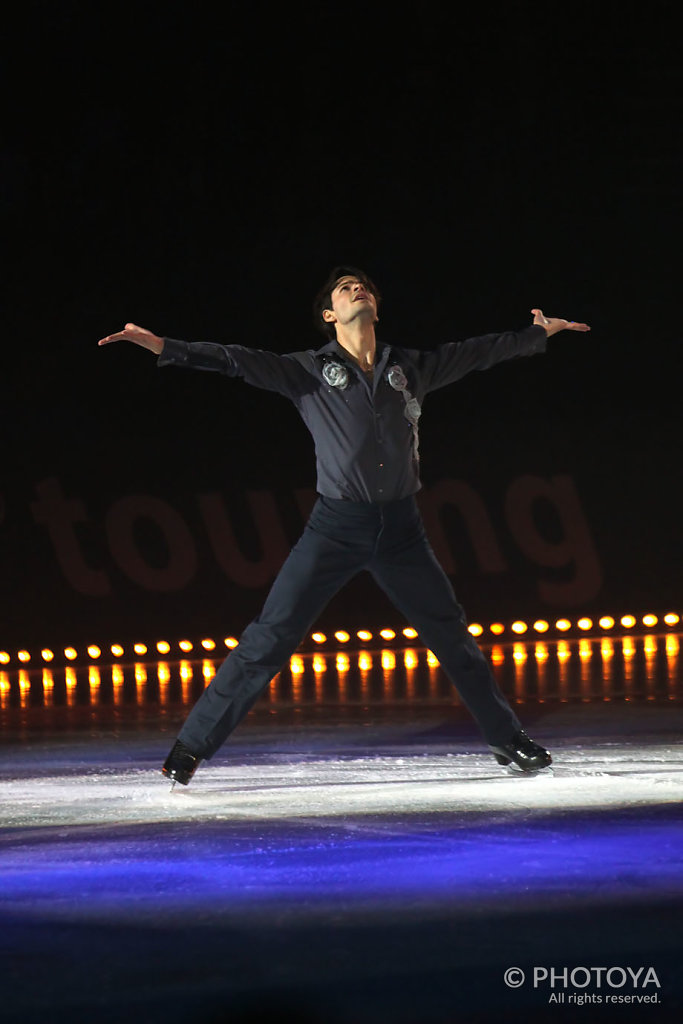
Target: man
point(361, 400)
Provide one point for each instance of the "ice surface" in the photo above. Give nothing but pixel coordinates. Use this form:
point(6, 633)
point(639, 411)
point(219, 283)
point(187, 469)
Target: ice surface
point(403, 782)
point(385, 871)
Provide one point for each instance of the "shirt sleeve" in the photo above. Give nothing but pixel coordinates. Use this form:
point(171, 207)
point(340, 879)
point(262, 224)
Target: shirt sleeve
point(454, 360)
point(269, 370)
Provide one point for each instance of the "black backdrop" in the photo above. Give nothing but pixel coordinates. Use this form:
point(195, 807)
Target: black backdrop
point(200, 177)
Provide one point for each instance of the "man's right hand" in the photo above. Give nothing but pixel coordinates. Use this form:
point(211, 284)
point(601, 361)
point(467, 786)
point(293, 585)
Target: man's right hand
point(139, 336)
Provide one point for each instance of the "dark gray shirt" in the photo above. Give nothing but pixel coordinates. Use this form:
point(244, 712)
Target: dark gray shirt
point(364, 444)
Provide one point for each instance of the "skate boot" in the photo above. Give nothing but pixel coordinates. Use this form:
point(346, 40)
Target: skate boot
point(526, 754)
point(181, 764)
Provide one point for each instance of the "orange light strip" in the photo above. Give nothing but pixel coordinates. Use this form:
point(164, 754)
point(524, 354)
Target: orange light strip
point(563, 626)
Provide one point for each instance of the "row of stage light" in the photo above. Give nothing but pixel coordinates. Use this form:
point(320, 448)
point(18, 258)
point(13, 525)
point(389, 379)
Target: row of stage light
point(660, 678)
point(494, 632)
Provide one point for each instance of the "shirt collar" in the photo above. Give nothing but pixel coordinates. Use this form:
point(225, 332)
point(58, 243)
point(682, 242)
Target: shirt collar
point(333, 347)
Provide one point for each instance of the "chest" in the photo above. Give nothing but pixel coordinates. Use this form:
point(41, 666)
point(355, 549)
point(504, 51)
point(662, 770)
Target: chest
point(356, 403)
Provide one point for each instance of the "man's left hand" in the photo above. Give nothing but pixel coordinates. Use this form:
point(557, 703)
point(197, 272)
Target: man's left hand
point(553, 324)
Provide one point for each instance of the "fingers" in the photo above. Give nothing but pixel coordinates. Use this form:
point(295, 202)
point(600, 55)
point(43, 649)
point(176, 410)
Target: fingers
point(119, 336)
point(567, 325)
point(572, 326)
point(539, 317)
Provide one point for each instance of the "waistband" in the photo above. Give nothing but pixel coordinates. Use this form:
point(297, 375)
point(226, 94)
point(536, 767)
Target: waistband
point(342, 504)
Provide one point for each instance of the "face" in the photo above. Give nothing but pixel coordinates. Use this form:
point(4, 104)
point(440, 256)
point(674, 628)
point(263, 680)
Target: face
point(351, 300)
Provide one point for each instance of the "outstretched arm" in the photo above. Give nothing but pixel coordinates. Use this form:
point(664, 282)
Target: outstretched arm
point(454, 360)
point(269, 370)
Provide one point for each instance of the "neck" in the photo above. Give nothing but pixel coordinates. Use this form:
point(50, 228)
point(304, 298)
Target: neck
point(358, 339)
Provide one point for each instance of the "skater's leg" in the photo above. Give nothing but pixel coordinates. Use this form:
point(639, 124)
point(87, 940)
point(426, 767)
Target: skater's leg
point(317, 567)
point(409, 573)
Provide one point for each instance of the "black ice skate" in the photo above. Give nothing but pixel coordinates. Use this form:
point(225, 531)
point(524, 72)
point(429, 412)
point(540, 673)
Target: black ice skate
point(526, 754)
point(181, 764)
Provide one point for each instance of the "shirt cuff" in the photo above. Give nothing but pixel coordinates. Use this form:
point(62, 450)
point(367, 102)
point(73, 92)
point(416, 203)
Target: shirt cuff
point(537, 338)
point(174, 353)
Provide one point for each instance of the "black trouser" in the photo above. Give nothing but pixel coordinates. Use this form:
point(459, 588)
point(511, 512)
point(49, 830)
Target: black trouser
point(340, 539)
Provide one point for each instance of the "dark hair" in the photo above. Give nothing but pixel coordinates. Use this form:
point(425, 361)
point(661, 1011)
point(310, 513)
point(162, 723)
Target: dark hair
point(323, 299)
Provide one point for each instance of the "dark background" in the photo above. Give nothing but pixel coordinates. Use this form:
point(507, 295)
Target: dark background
point(198, 170)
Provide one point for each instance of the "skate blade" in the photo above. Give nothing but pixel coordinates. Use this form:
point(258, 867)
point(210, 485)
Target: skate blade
point(514, 769)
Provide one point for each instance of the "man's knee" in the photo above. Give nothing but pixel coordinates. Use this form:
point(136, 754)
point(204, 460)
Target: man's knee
point(265, 643)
